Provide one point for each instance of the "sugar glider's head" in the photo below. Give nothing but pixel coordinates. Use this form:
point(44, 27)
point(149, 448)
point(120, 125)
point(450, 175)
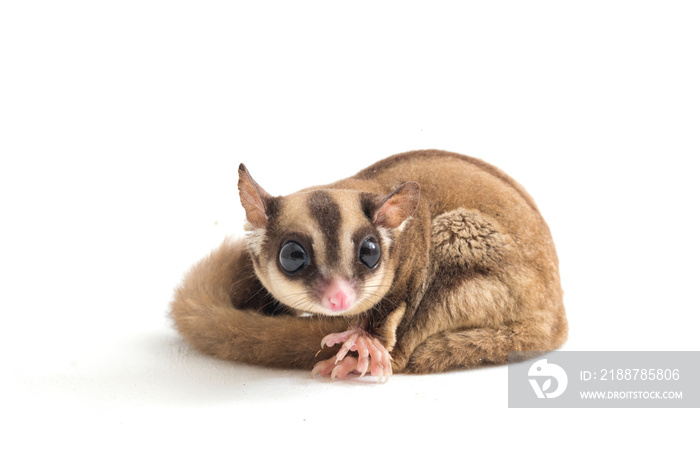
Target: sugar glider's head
point(326, 251)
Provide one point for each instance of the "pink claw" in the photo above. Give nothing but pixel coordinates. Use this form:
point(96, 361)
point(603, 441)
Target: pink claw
point(335, 338)
point(323, 368)
point(346, 366)
point(372, 356)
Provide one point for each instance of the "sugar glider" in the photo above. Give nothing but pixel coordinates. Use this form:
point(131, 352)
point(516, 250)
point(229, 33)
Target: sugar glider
point(426, 261)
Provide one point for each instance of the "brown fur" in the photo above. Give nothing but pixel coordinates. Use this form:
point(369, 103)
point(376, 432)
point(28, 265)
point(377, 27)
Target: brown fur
point(472, 275)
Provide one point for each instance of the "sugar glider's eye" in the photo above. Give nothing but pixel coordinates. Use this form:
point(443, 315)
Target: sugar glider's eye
point(369, 253)
point(293, 257)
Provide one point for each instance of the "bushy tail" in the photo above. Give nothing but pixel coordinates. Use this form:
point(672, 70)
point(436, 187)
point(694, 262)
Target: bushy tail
point(219, 307)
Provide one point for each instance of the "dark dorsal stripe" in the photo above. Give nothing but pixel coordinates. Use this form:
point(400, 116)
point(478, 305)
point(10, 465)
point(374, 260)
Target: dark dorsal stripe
point(326, 212)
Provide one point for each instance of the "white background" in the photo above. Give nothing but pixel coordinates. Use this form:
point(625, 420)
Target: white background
point(121, 127)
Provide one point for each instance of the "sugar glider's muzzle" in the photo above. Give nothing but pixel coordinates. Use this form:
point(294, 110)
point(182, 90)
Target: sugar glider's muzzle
point(339, 295)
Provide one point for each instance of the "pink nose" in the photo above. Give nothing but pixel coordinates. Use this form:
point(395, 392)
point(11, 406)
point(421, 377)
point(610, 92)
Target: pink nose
point(339, 295)
point(339, 302)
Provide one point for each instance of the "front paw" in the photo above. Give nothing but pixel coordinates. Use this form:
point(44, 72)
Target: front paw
point(372, 356)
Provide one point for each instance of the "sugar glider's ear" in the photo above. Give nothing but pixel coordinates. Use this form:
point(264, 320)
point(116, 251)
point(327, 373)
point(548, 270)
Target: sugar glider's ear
point(392, 210)
point(254, 199)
